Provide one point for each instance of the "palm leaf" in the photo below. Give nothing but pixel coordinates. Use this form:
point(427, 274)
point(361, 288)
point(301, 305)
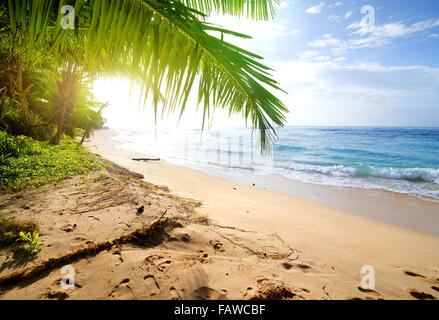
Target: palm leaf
point(255, 9)
point(163, 46)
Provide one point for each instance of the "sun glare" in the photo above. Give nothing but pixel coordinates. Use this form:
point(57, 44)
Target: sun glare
point(126, 109)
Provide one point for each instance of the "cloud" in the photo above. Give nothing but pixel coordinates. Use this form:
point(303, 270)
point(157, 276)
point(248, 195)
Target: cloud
point(361, 94)
point(261, 31)
point(283, 4)
point(362, 75)
point(315, 9)
point(394, 30)
point(372, 37)
point(327, 40)
point(375, 36)
point(314, 56)
point(336, 18)
point(337, 4)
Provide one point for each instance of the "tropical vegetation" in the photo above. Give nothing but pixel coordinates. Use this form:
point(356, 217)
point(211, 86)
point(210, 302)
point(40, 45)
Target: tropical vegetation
point(167, 47)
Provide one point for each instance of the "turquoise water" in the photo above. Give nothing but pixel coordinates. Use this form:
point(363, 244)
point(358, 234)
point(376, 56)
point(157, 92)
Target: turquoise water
point(397, 159)
point(404, 160)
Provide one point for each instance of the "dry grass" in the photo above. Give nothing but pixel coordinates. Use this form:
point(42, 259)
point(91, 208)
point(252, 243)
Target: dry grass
point(13, 225)
point(150, 235)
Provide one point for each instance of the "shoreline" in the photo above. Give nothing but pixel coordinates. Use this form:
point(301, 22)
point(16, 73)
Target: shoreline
point(332, 245)
point(218, 240)
point(398, 209)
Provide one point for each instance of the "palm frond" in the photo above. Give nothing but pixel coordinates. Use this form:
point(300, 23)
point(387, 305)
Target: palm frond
point(255, 9)
point(164, 46)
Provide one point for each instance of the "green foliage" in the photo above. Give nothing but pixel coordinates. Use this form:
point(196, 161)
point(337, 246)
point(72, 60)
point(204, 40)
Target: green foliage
point(10, 228)
point(161, 45)
point(9, 238)
point(11, 118)
point(30, 243)
point(26, 163)
point(258, 10)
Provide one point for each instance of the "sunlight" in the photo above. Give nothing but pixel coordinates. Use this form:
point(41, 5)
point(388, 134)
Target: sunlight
point(125, 112)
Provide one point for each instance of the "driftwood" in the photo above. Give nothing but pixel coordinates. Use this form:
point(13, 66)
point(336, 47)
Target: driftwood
point(146, 159)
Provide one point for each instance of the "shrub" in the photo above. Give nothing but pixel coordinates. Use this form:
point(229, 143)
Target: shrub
point(11, 227)
point(26, 163)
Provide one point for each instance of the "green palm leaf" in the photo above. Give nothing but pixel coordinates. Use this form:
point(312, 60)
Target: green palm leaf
point(255, 9)
point(165, 47)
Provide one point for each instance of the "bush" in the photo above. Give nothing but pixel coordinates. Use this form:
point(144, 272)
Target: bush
point(12, 120)
point(26, 163)
point(11, 227)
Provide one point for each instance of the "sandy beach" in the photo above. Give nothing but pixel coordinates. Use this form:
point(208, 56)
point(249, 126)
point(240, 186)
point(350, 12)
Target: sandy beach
point(220, 240)
point(334, 244)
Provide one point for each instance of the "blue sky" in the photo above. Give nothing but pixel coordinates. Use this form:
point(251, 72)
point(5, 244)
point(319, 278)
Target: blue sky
point(338, 68)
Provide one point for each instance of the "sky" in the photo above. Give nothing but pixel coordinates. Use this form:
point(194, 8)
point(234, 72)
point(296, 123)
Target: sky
point(342, 63)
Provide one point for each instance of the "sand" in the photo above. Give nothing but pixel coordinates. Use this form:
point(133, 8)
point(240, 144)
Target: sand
point(225, 241)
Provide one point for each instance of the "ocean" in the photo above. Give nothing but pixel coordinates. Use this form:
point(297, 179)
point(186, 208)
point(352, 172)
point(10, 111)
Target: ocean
point(402, 160)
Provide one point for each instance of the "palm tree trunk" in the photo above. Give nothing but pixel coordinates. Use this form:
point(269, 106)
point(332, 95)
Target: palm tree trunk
point(22, 101)
point(66, 99)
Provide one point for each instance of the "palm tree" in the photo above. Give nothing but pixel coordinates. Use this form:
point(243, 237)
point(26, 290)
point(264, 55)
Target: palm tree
point(163, 45)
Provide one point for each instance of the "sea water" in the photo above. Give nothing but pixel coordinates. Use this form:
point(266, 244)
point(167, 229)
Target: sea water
point(403, 160)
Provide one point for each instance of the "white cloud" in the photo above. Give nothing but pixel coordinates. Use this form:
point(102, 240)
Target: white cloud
point(326, 41)
point(336, 18)
point(314, 56)
point(394, 30)
point(337, 4)
point(372, 37)
point(309, 54)
point(434, 35)
point(380, 35)
point(315, 9)
point(361, 94)
point(283, 4)
point(261, 31)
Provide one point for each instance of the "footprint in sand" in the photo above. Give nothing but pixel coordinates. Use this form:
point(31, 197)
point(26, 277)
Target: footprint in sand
point(60, 295)
point(287, 265)
point(69, 228)
point(207, 293)
point(421, 295)
point(303, 266)
point(152, 258)
point(413, 274)
point(217, 246)
point(203, 257)
point(123, 291)
point(151, 286)
point(174, 294)
point(118, 253)
point(368, 290)
point(162, 266)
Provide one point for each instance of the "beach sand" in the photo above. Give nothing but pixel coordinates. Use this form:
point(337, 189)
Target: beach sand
point(228, 240)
